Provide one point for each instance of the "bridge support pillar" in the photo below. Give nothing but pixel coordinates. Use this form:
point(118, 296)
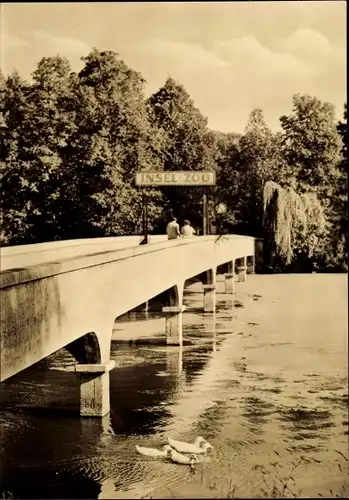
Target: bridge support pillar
point(94, 389)
point(229, 283)
point(173, 324)
point(242, 268)
point(209, 298)
point(251, 265)
point(230, 278)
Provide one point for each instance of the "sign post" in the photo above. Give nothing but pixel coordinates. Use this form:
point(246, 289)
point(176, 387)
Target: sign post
point(177, 178)
point(145, 217)
point(204, 214)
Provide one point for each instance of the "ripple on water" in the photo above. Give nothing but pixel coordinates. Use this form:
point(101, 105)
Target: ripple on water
point(305, 423)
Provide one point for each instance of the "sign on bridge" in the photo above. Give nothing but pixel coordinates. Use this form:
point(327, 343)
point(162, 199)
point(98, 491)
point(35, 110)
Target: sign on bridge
point(178, 178)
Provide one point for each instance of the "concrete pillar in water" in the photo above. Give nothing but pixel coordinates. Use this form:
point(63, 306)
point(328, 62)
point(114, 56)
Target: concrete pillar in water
point(259, 254)
point(173, 324)
point(230, 278)
point(229, 282)
point(251, 265)
point(145, 309)
point(94, 388)
point(242, 268)
point(209, 298)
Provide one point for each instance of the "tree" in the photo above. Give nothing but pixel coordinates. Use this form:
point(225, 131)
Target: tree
point(342, 189)
point(312, 146)
point(113, 140)
point(38, 126)
point(13, 104)
point(295, 227)
point(249, 166)
point(312, 149)
point(228, 178)
point(73, 144)
point(341, 200)
point(188, 144)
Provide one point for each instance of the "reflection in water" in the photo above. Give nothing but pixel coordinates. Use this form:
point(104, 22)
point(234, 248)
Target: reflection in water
point(307, 424)
point(215, 413)
point(257, 412)
point(174, 361)
point(62, 484)
point(237, 380)
point(100, 428)
point(107, 489)
point(210, 331)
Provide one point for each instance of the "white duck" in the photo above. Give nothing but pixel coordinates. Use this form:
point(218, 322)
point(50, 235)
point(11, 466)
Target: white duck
point(183, 459)
point(153, 452)
point(199, 446)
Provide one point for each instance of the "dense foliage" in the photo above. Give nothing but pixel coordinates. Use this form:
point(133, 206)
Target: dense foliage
point(251, 162)
point(295, 225)
point(72, 143)
point(313, 152)
point(188, 145)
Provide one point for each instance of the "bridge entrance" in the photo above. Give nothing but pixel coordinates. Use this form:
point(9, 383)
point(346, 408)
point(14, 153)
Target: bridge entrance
point(188, 178)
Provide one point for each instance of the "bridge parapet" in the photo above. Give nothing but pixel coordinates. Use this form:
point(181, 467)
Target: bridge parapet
point(23, 256)
point(16, 276)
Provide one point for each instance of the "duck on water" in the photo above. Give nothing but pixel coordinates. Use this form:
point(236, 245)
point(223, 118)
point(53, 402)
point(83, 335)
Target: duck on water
point(199, 446)
point(178, 458)
point(153, 452)
point(168, 452)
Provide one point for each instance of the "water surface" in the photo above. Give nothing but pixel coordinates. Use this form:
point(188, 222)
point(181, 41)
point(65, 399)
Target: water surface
point(264, 380)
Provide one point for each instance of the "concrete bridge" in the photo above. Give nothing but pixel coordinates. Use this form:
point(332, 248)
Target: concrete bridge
point(68, 294)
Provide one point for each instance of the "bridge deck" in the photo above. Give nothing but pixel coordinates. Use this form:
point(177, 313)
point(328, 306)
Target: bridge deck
point(23, 256)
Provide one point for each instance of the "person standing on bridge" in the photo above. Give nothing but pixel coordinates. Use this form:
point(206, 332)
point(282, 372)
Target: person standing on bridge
point(172, 229)
point(187, 230)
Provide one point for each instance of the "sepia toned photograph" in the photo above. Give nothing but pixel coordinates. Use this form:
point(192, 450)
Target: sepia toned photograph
point(173, 250)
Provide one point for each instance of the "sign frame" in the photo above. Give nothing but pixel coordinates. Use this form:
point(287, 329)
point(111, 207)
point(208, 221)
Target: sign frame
point(180, 178)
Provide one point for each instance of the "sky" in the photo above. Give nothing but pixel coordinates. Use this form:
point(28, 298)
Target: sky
point(231, 57)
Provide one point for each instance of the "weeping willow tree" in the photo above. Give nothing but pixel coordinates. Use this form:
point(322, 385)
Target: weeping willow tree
point(293, 224)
